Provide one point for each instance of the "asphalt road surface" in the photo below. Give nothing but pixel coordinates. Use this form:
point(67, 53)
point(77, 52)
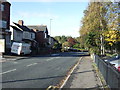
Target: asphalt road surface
point(39, 71)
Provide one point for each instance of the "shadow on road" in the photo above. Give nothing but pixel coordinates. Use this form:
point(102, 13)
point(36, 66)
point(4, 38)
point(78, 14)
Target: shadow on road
point(32, 79)
point(65, 54)
point(61, 54)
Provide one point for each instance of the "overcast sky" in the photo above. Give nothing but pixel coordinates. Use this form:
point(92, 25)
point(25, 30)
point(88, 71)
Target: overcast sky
point(66, 16)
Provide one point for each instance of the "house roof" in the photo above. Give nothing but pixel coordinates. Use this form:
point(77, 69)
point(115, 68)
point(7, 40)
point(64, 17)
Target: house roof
point(14, 27)
point(38, 27)
point(24, 28)
point(4, 1)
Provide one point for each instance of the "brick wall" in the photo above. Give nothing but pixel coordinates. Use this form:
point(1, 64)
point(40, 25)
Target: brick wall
point(5, 15)
point(40, 38)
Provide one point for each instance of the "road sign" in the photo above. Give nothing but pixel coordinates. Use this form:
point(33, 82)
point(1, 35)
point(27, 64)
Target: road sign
point(2, 45)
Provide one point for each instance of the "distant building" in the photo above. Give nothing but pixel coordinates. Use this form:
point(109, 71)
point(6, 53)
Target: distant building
point(52, 41)
point(41, 34)
point(5, 24)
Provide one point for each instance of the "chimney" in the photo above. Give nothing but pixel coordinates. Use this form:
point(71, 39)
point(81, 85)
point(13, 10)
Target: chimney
point(21, 22)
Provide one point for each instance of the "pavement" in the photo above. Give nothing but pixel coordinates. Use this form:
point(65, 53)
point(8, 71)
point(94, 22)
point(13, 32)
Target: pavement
point(12, 58)
point(84, 76)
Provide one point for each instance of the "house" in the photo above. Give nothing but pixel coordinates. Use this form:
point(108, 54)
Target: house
point(41, 34)
point(28, 34)
point(52, 41)
point(17, 34)
point(46, 42)
point(21, 33)
point(5, 23)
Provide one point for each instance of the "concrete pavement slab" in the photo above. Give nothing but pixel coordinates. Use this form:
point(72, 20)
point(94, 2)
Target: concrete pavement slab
point(84, 76)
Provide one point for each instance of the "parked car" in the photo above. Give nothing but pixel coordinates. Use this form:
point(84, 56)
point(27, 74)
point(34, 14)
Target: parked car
point(115, 61)
point(119, 68)
point(20, 48)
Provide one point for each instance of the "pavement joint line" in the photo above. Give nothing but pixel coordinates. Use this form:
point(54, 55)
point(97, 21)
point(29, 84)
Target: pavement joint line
point(31, 64)
point(71, 71)
point(8, 71)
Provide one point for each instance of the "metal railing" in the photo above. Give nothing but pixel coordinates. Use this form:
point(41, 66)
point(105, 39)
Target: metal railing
point(109, 72)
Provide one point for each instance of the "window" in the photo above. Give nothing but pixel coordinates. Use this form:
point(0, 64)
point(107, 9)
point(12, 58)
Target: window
point(3, 24)
point(2, 7)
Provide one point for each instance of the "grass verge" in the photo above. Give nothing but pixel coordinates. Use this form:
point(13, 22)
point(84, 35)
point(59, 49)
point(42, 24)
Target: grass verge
point(100, 76)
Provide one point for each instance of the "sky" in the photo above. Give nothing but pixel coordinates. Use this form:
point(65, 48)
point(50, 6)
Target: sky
point(66, 16)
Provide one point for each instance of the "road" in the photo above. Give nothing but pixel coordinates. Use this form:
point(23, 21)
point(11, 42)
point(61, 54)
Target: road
point(39, 71)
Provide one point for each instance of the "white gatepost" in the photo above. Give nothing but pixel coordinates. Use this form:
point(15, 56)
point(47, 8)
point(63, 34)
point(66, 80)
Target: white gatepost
point(2, 47)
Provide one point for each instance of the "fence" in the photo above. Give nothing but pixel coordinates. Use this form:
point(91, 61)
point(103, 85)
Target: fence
point(110, 74)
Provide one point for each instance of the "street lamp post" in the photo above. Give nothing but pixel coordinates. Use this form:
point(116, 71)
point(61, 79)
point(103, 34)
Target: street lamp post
point(50, 25)
point(50, 35)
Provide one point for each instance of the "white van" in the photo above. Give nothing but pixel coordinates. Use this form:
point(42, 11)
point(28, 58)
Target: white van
point(20, 48)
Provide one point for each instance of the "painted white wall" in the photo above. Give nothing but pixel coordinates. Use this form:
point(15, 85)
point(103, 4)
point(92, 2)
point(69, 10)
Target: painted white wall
point(19, 35)
point(11, 29)
point(26, 35)
point(16, 35)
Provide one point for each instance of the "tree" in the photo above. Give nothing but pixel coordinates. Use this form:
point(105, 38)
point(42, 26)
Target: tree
point(57, 46)
point(66, 44)
point(61, 39)
point(77, 45)
point(93, 21)
point(112, 35)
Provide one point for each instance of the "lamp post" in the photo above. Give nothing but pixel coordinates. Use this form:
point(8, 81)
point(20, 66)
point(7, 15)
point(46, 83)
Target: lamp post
point(50, 25)
point(50, 36)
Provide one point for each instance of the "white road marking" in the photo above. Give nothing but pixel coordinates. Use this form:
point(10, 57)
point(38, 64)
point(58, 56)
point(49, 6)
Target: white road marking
point(11, 59)
point(15, 62)
point(50, 59)
point(8, 71)
point(57, 57)
point(31, 64)
point(54, 54)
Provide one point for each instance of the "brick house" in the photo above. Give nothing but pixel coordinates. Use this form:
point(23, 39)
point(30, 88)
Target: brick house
point(41, 34)
point(5, 24)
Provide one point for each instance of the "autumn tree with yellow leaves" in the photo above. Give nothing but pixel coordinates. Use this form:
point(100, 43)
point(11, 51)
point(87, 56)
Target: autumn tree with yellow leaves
point(100, 26)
